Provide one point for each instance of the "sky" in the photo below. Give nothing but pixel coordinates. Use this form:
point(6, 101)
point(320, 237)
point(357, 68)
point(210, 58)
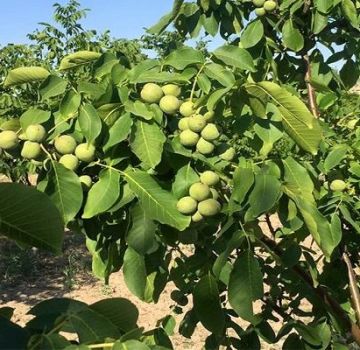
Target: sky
point(124, 18)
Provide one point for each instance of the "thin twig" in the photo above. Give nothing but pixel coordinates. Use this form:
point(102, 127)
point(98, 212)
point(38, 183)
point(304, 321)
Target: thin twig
point(310, 88)
point(353, 288)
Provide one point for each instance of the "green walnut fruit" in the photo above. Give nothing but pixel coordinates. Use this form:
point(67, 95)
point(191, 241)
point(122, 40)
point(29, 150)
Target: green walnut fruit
point(85, 152)
point(228, 155)
point(209, 178)
point(65, 144)
point(189, 138)
point(208, 116)
point(260, 12)
point(269, 5)
point(169, 104)
point(69, 161)
point(86, 181)
point(8, 139)
point(186, 205)
point(209, 207)
point(31, 150)
point(338, 185)
point(197, 217)
point(210, 132)
point(35, 133)
point(171, 89)
point(184, 123)
point(151, 93)
point(187, 109)
point(197, 123)
point(204, 147)
point(214, 193)
point(258, 3)
point(199, 191)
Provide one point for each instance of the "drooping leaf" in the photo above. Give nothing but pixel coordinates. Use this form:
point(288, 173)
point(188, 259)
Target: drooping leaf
point(183, 57)
point(52, 86)
point(70, 104)
point(119, 131)
point(252, 34)
point(33, 116)
point(102, 194)
point(245, 286)
point(141, 234)
point(298, 178)
point(206, 293)
point(335, 156)
point(78, 58)
point(120, 311)
point(90, 122)
point(220, 73)
point(236, 57)
point(297, 120)
point(158, 203)
point(184, 178)
point(29, 217)
point(147, 142)
point(292, 36)
point(165, 21)
point(350, 12)
point(264, 195)
point(134, 270)
point(23, 75)
point(64, 189)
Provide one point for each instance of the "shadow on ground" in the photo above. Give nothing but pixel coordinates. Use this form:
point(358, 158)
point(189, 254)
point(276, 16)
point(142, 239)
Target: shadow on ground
point(31, 275)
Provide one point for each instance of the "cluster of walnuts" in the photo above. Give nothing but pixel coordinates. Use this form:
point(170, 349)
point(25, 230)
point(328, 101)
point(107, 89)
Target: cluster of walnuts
point(69, 153)
point(196, 130)
point(202, 200)
point(264, 6)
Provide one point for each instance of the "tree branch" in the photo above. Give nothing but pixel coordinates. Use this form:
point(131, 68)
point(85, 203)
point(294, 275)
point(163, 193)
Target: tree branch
point(353, 288)
point(331, 304)
point(311, 90)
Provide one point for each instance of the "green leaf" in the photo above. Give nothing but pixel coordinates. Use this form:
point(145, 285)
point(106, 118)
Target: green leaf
point(158, 203)
point(245, 286)
point(77, 59)
point(252, 34)
point(147, 142)
point(52, 342)
point(29, 217)
point(102, 194)
point(33, 116)
point(120, 311)
point(164, 21)
point(70, 104)
point(139, 109)
point(135, 272)
point(236, 57)
point(325, 235)
point(243, 179)
point(298, 179)
point(292, 37)
point(12, 336)
point(90, 122)
point(220, 73)
point(350, 12)
point(207, 304)
point(159, 77)
point(350, 73)
point(184, 178)
point(119, 131)
point(264, 195)
point(297, 120)
point(268, 134)
point(23, 75)
point(335, 156)
point(52, 86)
point(183, 57)
point(65, 191)
point(215, 97)
point(141, 235)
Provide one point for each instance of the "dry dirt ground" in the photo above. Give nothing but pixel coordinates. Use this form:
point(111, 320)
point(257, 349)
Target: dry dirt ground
point(27, 278)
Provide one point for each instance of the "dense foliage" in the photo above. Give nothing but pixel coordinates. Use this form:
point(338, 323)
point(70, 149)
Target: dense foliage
point(234, 175)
